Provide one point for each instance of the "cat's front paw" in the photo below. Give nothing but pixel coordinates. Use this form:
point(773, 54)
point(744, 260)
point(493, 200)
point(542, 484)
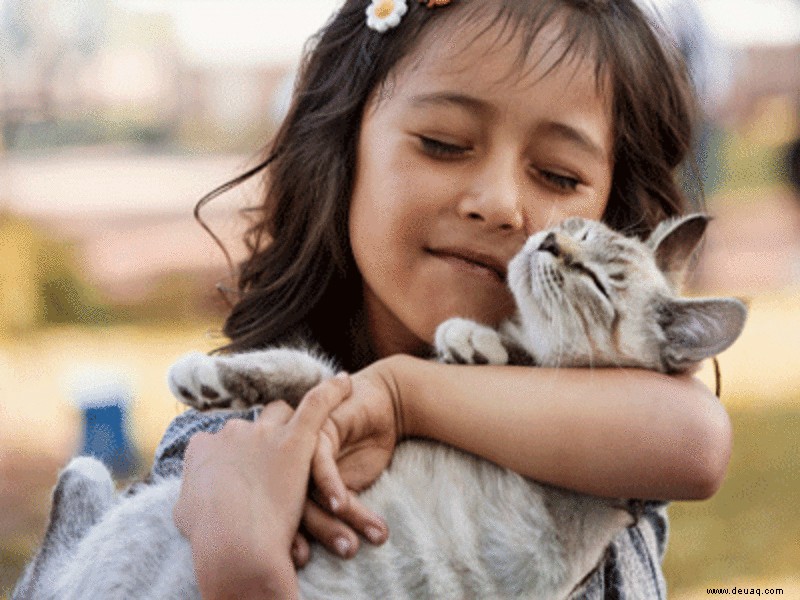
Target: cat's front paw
point(195, 380)
point(246, 379)
point(462, 341)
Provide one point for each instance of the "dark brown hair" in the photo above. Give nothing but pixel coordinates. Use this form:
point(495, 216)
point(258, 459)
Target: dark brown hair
point(300, 277)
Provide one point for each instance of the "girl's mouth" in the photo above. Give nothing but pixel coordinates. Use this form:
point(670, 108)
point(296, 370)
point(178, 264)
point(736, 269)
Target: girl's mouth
point(470, 261)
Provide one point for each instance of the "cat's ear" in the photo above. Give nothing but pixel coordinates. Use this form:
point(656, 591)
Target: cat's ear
point(674, 241)
point(697, 329)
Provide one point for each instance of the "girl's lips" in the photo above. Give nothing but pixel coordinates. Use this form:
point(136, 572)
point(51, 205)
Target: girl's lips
point(472, 262)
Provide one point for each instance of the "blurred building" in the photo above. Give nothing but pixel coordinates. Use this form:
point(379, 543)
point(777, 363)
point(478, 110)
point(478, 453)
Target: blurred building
point(116, 117)
point(114, 72)
point(763, 41)
point(128, 216)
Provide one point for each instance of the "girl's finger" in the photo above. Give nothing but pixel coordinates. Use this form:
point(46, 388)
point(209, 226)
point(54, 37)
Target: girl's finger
point(356, 515)
point(329, 531)
point(317, 404)
point(276, 412)
point(301, 551)
point(326, 477)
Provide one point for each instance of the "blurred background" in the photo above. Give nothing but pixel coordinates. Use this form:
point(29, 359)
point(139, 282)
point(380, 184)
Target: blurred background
point(116, 116)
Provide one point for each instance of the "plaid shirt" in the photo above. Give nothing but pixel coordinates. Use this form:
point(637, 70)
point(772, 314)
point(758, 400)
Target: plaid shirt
point(631, 569)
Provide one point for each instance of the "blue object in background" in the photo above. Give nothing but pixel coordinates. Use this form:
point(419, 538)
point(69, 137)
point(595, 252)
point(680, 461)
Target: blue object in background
point(104, 437)
point(103, 400)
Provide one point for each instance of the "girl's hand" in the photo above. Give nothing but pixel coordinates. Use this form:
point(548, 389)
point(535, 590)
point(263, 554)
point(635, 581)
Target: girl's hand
point(243, 492)
point(356, 446)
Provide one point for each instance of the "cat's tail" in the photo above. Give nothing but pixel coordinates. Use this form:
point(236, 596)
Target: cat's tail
point(85, 490)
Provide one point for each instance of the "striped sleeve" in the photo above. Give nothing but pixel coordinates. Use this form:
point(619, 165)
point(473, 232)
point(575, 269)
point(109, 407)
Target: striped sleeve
point(169, 454)
point(631, 569)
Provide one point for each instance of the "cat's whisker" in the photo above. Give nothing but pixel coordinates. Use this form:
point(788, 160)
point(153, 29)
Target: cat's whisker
point(551, 290)
point(555, 285)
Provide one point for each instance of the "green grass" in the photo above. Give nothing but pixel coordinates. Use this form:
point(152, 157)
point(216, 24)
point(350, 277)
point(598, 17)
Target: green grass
point(13, 556)
point(742, 167)
point(750, 529)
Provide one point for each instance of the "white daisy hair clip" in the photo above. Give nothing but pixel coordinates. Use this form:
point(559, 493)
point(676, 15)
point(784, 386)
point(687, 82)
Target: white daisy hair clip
point(383, 15)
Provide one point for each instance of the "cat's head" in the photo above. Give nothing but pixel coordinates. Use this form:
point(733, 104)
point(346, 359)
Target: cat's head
point(590, 296)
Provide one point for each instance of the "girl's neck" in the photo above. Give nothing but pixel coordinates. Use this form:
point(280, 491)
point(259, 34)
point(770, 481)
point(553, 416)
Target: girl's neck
point(379, 331)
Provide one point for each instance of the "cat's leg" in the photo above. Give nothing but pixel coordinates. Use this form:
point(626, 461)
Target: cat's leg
point(463, 341)
point(246, 379)
point(84, 492)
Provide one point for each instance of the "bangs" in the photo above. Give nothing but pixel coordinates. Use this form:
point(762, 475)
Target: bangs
point(575, 27)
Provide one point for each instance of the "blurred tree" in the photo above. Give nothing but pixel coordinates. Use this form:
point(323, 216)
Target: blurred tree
point(20, 302)
point(39, 281)
point(44, 45)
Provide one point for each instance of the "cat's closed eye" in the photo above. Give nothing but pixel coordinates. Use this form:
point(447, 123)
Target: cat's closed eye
point(581, 268)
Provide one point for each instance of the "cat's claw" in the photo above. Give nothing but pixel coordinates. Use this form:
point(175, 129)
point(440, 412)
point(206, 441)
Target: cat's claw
point(463, 341)
point(194, 380)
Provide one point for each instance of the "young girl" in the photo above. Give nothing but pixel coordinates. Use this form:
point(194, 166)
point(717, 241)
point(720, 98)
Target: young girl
point(425, 142)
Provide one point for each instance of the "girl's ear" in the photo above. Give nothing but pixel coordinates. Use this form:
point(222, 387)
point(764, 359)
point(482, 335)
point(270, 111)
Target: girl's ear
point(697, 329)
point(674, 241)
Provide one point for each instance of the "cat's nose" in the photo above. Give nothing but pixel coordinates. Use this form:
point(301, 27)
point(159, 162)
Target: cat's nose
point(550, 245)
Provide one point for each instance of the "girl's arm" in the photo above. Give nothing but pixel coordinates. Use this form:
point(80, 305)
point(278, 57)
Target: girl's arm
point(624, 433)
point(610, 432)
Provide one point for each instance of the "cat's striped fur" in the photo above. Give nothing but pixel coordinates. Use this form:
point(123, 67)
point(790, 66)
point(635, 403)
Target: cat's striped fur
point(461, 527)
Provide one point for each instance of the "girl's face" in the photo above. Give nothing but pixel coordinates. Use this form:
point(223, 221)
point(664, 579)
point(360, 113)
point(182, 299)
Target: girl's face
point(462, 155)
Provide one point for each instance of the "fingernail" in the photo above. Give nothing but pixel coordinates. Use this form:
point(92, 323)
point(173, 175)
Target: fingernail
point(335, 503)
point(342, 545)
point(374, 534)
point(343, 375)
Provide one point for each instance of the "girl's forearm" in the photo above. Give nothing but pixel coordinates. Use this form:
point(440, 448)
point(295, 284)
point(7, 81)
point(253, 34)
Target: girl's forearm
point(610, 432)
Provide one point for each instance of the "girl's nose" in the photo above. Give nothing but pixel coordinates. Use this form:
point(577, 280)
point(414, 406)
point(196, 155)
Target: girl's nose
point(494, 200)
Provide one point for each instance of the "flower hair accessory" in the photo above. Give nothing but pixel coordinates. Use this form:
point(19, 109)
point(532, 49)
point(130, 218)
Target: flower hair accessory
point(385, 14)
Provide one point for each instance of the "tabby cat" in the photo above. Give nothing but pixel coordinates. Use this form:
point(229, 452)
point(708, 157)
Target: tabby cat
point(461, 526)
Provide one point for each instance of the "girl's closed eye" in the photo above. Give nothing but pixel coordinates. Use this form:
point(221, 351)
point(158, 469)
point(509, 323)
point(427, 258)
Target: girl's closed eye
point(562, 183)
point(439, 149)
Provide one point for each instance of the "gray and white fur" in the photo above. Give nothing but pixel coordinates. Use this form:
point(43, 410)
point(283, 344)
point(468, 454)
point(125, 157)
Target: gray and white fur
point(461, 526)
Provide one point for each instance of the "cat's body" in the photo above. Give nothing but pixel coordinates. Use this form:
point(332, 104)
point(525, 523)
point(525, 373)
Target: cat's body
point(461, 526)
